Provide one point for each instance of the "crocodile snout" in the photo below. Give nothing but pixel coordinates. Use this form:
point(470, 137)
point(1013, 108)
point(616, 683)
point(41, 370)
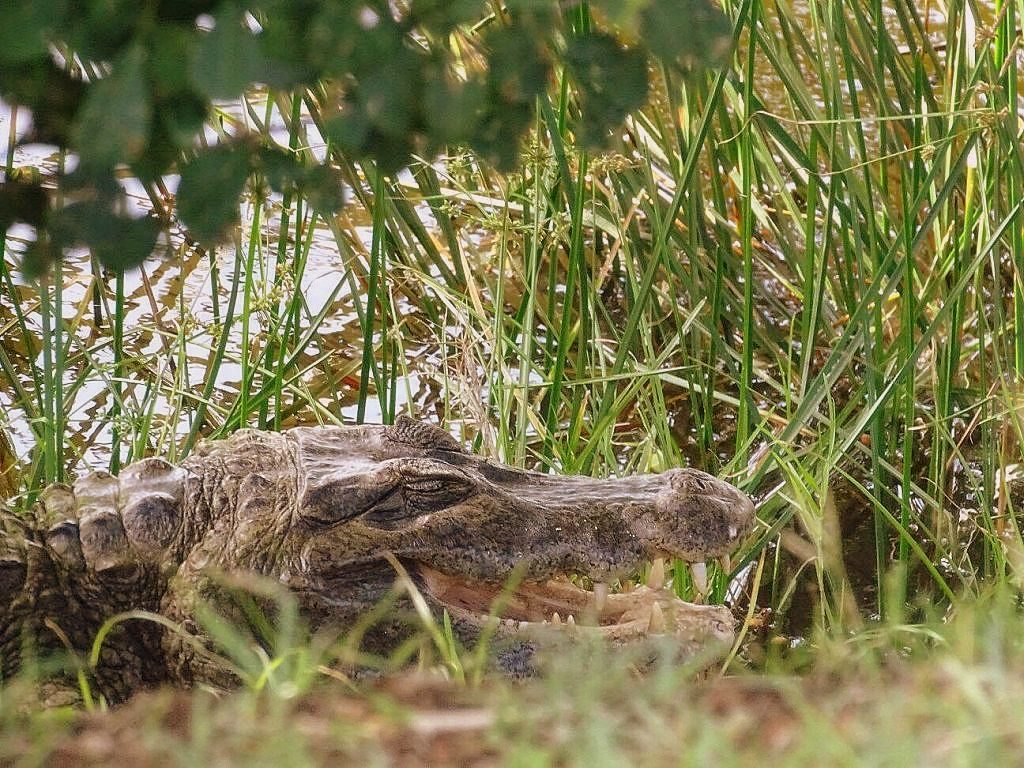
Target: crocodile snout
point(695, 517)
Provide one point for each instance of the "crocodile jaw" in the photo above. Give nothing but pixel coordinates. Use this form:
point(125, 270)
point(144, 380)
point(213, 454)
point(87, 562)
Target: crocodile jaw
point(541, 610)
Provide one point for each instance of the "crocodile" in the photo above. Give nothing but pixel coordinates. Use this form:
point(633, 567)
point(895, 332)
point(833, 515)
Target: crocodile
point(332, 514)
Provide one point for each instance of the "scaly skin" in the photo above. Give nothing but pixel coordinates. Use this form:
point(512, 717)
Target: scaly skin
point(321, 511)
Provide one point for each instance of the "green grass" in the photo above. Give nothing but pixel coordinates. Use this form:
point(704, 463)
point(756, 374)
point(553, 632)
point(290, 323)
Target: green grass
point(899, 695)
point(804, 273)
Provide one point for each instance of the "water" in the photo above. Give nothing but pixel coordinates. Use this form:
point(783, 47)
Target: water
point(172, 312)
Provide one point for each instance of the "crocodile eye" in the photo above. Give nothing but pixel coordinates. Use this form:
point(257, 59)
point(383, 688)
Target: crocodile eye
point(418, 495)
point(389, 514)
point(432, 494)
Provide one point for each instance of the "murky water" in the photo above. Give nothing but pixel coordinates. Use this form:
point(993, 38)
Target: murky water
point(174, 306)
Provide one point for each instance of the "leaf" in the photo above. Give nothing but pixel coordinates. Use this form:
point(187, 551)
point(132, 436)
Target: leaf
point(159, 157)
point(227, 59)
point(184, 10)
point(325, 190)
point(102, 29)
point(349, 129)
point(170, 45)
point(442, 16)
point(118, 242)
point(692, 32)
point(452, 108)
point(21, 201)
point(53, 96)
point(611, 80)
point(500, 132)
point(390, 151)
point(517, 65)
point(114, 119)
point(130, 242)
point(282, 171)
point(306, 42)
point(182, 117)
point(518, 71)
point(209, 190)
point(38, 257)
point(27, 27)
point(388, 94)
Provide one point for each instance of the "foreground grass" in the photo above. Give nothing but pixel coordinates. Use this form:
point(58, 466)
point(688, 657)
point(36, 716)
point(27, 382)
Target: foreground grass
point(946, 694)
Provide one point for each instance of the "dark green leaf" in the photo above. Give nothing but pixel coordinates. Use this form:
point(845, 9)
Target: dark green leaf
point(292, 53)
point(518, 69)
point(27, 27)
point(500, 132)
point(688, 31)
point(443, 16)
point(388, 94)
point(376, 43)
point(83, 223)
point(158, 159)
point(320, 184)
point(518, 65)
point(131, 242)
point(169, 46)
point(452, 109)
point(350, 130)
point(612, 82)
point(539, 14)
point(99, 31)
point(39, 257)
point(390, 151)
point(327, 39)
point(113, 124)
point(118, 241)
point(324, 190)
point(227, 59)
point(53, 96)
point(181, 117)
point(184, 10)
point(22, 202)
point(209, 190)
point(282, 170)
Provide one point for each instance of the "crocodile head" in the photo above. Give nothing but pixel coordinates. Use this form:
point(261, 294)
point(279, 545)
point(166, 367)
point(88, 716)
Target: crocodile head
point(480, 539)
point(334, 512)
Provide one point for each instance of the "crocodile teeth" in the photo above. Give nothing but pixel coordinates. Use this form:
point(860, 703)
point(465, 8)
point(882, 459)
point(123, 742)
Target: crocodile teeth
point(555, 618)
point(656, 578)
point(600, 595)
point(700, 577)
point(656, 622)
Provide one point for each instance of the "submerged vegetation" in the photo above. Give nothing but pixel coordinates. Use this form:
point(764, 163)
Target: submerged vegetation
point(803, 272)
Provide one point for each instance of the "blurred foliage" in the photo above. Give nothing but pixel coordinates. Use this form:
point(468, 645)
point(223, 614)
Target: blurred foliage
point(126, 85)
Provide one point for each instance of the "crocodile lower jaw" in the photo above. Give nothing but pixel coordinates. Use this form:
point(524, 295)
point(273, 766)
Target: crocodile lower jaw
point(558, 605)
